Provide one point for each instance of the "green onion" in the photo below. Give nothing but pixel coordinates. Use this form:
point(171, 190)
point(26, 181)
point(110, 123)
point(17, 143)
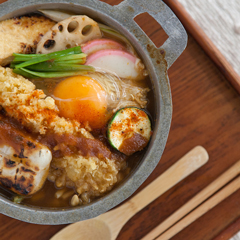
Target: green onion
point(76, 61)
point(71, 57)
point(50, 56)
point(57, 67)
point(63, 63)
point(18, 199)
point(25, 72)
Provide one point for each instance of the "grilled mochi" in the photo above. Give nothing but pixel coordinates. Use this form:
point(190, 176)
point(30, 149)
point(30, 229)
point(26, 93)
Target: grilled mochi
point(21, 35)
point(24, 163)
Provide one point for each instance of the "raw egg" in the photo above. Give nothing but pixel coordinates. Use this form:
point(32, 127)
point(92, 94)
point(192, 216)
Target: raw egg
point(82, 98)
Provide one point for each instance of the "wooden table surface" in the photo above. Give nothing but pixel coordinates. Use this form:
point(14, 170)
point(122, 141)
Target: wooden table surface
point(206, 111)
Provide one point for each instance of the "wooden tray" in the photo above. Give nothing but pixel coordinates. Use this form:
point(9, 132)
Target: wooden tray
point(206, 111)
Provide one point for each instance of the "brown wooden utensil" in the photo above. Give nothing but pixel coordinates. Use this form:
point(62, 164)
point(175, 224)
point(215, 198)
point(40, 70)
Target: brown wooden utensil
point(108, 225)
point(167, 229)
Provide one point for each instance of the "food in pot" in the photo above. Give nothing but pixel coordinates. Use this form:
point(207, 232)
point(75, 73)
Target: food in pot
point(129, 130)
point(62, 35)
point(56, 103)
point(82, 98)
point(21, 35)
point(24, 162)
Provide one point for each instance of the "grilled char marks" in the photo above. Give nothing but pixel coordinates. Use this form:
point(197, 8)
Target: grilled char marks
point(21, 169)
point(31, 144)
point(22, 182)
point(8, 163)
point(20, 185)
point(27, 48)
point(11, 135)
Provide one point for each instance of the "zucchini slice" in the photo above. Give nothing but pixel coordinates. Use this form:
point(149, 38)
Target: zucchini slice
point(129, 130)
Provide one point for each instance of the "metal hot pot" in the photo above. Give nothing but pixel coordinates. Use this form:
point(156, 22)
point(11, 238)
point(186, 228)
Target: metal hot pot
point(157, 61)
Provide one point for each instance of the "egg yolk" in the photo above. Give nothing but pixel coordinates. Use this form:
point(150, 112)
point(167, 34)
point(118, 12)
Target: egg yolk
point(82, 98)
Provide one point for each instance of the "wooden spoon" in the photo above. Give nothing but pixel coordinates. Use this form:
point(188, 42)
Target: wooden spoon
point(108, 225)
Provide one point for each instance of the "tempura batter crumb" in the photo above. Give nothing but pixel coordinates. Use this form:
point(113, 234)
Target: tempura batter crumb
point(32, 107)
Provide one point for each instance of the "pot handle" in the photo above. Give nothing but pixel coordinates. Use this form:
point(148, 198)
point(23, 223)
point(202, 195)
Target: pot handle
point(177, 36)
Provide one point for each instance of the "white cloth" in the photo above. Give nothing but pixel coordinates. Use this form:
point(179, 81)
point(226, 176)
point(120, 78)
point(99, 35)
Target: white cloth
point(220, 20)
point(236, 237)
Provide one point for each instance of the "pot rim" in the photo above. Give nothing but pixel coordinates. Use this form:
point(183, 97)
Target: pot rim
point(120, 17)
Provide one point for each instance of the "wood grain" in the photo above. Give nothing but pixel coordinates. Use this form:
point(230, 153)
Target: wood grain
point(202, 209)
point(229, 231)
point(193, 203)
point(206, 111)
